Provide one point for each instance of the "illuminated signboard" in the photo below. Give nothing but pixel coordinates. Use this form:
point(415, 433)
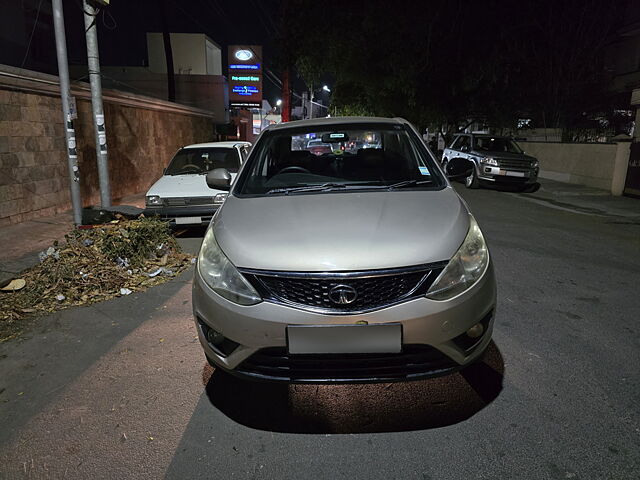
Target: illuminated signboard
point(245, 76)
point(237, 66)
point(245, 90)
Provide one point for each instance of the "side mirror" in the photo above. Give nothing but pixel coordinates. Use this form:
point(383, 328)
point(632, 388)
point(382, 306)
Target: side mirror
point(219, 179)
point(458, 168)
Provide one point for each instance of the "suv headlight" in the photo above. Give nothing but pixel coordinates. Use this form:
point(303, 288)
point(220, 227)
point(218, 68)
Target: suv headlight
point(535, 164)
point(220, 274)
point(154, 200)
point(489, 161)
point(465, 267)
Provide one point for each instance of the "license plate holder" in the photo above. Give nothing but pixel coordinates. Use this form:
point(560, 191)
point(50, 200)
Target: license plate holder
point(321, 339)
point(188, 220)
point(510, 173)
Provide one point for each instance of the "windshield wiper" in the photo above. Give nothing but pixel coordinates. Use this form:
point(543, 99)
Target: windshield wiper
point(408, 183)
point(307, 188)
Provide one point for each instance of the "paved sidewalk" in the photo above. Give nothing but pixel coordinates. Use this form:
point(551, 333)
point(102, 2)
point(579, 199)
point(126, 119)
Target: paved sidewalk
point(586, 200)
point(21, 242)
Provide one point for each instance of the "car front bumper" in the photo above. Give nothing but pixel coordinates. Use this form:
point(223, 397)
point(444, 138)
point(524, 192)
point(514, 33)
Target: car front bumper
point(433, 337)
point(502, 175)
point(176, 216)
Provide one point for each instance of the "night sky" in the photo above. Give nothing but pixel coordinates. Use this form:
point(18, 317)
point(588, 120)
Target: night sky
point(123, 25)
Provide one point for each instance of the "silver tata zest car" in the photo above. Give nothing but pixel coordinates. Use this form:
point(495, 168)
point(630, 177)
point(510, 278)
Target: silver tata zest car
point(353, 265)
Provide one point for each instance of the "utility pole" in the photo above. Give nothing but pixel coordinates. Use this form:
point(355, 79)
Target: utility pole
point(65, 95)
point(311, 101)
point(286, 96)
point(93, 59)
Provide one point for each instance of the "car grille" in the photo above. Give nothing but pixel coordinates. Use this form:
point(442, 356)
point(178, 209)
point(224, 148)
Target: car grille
point(514, 163)
point(317, 291)
point(185, 201)
point(415, 361)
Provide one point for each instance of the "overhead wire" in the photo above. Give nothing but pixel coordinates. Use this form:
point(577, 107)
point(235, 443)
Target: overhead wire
point(35, 24)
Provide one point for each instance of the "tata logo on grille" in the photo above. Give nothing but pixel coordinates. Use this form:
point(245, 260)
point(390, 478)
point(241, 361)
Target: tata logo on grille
point(343, 294)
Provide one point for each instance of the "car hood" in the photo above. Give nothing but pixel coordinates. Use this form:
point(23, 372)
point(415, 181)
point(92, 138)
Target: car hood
point(183, 186)
point(342, 231)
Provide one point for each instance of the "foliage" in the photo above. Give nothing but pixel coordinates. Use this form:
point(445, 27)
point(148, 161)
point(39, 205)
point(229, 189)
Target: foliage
point(445, 62)
point(94, 265)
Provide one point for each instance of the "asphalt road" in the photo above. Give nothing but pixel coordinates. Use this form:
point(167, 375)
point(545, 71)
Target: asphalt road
point(121, 389)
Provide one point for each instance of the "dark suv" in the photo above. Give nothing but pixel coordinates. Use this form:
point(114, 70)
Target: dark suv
point(494, 159)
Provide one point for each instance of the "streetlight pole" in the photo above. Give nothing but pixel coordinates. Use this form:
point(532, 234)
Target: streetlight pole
point(69, 132)
point(90, 15)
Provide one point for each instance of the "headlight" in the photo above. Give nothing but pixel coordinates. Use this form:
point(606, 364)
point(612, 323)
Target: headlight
point(220, 274)
point(490, 161)
point(535, 164)
point(220, 198)
point(154, 200)
point(464, 269)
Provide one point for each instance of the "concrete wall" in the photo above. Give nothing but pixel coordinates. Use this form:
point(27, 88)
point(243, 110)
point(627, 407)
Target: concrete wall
point(599, 165)
point(190, 51)
point(33, 165)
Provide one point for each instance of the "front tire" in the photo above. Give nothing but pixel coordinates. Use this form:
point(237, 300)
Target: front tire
point(472, 180)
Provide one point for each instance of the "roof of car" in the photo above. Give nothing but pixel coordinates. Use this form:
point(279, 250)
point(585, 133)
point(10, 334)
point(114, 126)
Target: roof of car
point(320, 122)
point(217, 144)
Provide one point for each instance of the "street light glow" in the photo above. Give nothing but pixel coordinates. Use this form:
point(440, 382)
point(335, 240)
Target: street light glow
point(278, 102)
point(325, 88)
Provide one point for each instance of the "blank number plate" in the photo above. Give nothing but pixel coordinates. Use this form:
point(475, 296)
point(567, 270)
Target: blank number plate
point(188, 220)
point(345, 338)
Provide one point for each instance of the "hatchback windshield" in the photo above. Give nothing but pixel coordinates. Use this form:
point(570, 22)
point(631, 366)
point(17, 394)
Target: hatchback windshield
point(357, 157)
point(201, 160)
point(497, 144)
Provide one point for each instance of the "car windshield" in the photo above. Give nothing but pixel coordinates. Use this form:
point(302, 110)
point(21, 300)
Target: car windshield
point(357, 157)
point(201, 160)
point(497, 144)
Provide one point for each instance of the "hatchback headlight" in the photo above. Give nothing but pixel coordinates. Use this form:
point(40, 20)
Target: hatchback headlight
point(220, 198)
point(220, 274)
point(490, 161)
point(465, 267)
point(154, 200)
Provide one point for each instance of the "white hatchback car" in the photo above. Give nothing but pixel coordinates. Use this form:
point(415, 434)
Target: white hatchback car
point(181, 195)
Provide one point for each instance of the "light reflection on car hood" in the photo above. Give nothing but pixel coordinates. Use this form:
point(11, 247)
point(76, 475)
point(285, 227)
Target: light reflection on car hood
point(342, 231)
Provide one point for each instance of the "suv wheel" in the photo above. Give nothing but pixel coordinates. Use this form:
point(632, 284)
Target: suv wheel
point(472, 180)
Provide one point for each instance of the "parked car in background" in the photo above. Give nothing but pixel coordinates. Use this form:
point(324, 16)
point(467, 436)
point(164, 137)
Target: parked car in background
point(318, 147)
point(495, 159)
point(354, 266)
point(181, 195)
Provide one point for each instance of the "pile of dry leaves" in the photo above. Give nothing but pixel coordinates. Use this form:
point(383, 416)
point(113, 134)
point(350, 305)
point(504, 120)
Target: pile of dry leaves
point(92, 265)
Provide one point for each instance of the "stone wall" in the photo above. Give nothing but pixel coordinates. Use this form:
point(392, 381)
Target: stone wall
point(33, 165)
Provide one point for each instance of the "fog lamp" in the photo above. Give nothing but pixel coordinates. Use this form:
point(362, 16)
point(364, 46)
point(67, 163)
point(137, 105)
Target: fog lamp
point(214, 337)
point(476, 331)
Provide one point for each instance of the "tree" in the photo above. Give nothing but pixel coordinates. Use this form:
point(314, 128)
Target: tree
point(448, 62)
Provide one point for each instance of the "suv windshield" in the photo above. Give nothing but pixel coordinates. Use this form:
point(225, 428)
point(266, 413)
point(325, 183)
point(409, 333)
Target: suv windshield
point(357, 157)
point(497, 144)
point(201, 160)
